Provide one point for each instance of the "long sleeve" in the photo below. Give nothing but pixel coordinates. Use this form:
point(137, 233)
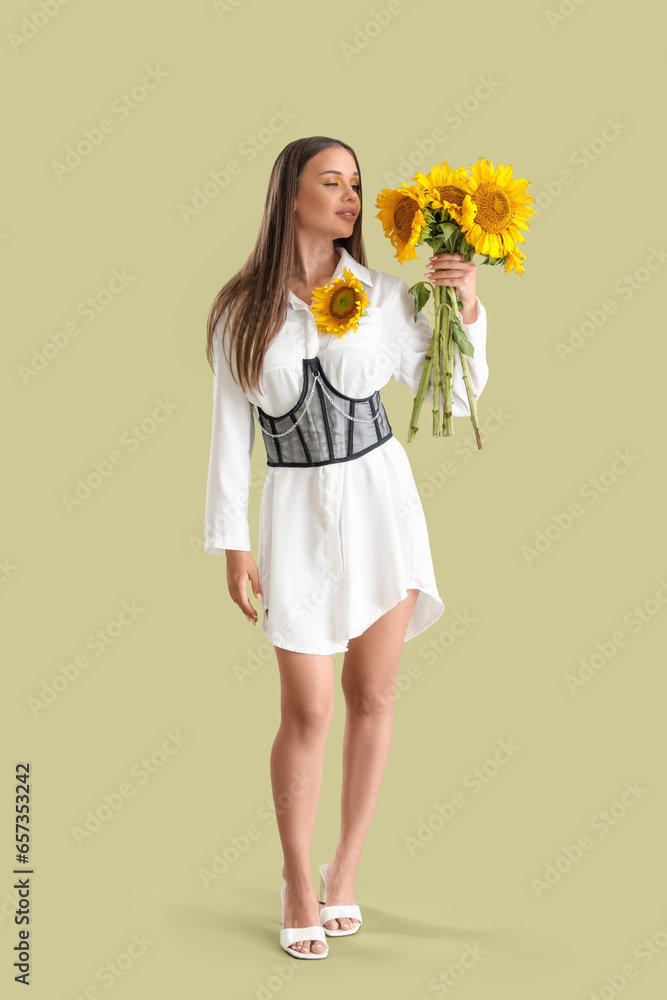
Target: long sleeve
point(413, 340)
point(229, 471)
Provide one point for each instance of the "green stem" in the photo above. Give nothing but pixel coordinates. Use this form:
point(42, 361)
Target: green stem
point(423, 386)
point(447, 422)
point(442, 314)
point(437, 374)
point(443, 369)
point(472, 399)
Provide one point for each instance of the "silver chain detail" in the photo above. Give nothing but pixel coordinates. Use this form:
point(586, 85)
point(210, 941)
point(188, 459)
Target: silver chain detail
point(294, 425)
point(363, 420)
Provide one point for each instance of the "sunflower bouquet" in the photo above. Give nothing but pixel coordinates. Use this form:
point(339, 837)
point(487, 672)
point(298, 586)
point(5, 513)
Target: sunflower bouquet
point(461, 211)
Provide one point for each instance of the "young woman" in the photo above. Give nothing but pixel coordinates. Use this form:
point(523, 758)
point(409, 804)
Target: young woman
point(344, 563)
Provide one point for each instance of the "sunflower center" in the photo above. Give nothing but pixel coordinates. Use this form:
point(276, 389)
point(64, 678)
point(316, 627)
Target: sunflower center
point(343, 302)
point(451, 194)
point(494, 207)
point(404, 213)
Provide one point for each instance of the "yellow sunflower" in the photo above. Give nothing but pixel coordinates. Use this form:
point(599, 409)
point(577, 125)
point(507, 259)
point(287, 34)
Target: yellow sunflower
point(401, 217)
point(339, 305)
point(445, 188)
point(514, 261)
point(492, 214)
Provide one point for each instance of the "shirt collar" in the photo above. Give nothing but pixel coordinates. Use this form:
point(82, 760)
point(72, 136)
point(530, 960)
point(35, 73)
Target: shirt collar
point(345, 260)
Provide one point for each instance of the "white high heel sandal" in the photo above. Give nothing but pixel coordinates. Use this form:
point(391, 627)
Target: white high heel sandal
point(334, 912)
point(289, 935)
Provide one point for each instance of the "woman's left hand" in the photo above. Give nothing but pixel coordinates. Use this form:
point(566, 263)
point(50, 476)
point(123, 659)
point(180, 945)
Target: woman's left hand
point(451, 269)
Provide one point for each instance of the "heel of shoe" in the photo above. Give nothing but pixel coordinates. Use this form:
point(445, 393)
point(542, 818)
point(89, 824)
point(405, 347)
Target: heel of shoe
point(322, 895)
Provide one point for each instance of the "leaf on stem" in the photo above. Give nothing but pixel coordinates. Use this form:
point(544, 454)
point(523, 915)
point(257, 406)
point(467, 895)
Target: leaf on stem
point(460, 339)
point(421, 292)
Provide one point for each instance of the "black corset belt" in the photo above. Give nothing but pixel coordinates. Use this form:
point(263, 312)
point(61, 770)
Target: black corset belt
point(325, 426)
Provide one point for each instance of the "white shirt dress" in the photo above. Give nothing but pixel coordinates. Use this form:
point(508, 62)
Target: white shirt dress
point(339, 544)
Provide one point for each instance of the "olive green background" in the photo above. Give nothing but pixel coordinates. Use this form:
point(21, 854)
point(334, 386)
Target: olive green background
point(520, 888)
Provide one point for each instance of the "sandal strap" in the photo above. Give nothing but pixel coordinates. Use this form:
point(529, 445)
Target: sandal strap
point(345, 910)
point(288, 935)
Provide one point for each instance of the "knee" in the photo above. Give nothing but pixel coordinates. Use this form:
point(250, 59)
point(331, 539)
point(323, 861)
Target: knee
point(310, 719)
point(368, 701)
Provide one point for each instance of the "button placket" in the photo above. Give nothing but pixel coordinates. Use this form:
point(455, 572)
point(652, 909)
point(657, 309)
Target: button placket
point(310, 328)
point(312, 336)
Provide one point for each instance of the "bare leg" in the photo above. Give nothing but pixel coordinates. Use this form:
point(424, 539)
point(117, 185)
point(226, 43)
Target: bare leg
point(368, 679)
point(306, 706)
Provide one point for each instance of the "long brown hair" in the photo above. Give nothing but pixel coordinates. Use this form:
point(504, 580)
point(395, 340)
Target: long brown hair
point(255, 299)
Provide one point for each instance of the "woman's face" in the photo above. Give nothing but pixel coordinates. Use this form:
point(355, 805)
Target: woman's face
point(327, 201)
